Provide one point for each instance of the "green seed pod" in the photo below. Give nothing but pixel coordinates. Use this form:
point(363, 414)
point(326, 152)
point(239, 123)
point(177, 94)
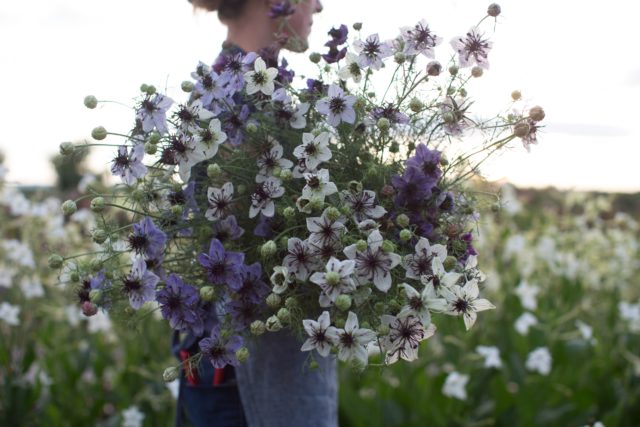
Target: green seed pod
point(274, 300)
point(187, 86)
point(273, 324)
point(343, 302)
point(405, 235)
point(99, 133)
point(453, 70)
point(403, 220)
point(416, 105)
point(207, 293)
point(268, 249)
point(150, 148)
point(516, 95)
point(257, 327)
point(95, 295)
point(242, 354)
point(214, 171)
point(69, 207)
point(67, 148)
point(383, 124)
point(383, 330)
point(97, 204)
point(284, 315)
point(74, 277)
point(361, 245)
point(315, 57)
point(357, 26)
point(90, 102)
point(340, 323)
point(170, 374)
point(99, 236)
point(450, 263)
point(95, 265)
point(291, 303)
point(154, 137)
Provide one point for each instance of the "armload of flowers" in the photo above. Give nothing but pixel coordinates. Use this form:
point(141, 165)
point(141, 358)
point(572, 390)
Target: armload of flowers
point(331, 210)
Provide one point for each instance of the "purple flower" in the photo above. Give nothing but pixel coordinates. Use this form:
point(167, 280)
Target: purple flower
point(227, 229)
point(334, 55)
point(221, 352)
point(338, 36)
point(263, 228)
point(363, 204)
point(337, 106)
point(179, 304)
point(391, 113)
point(233, 122)
point(372, 51)
point(152, 113)
point(285, 75)
point(128, 164)
point(147, 239)
point(428, 161)
point(281, 9)
point(210, 87)
point(472, 48)
point(222, 267)
point(231, 66)
point(420, 39)
point(140, 284)
point(413, 186)
point(253, 289)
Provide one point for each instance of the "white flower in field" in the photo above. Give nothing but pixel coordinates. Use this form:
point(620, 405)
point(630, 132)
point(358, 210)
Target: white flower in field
point(31, 288)
point(352, 68)
point(99, 322)
point(586, 332)
point(524, 322)
point(336, 280)
point(325, 230)
point(405, 334)
point(337, 106)
point(132, 417)
point(419, 263)
point(421, 304)
point(371, 52)
point(509, 200)
point(9, 313)
point(528, 295)
point(321, 335)
point(373, 264)
point(352, 341)
point(514, 246)
point(491, 356)
point(261, 78)
point(463, 300)
point(314, 149)
point(454, 385)
point(190, 116)
point(6, 277)
point(630, 313)
point(73, 315)
point(318, 185)
point(539, 360)
point(19, 253)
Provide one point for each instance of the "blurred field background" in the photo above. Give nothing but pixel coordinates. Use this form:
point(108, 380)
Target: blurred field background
point(562, 349)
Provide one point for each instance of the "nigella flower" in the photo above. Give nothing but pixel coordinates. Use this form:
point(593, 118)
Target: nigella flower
point(391, 113)
point(189, 116)
point(299, 259)
point(419, 264)
point(147, 239)
point(373, 264)
point(223, 268)
point(421, 304)
point(271, 158)
point(532, 136)
point(281, 278)
point(428, 161)
point(405, 334)
point(253, 288)
point(285, 75)
point(472, 48)
point(314, 149)
point(337, 279)
point(281, 9)
point(262, 198)
point(322, 336)
point(318, 185)
point(372, 51)
point(209, 87)
point(128, 164)
point(140, 284)
point(334, 55)
point(439, 277)
point(220, 201)
point(179, 304)
point(232, 66)
point(242, 312)
point(264, 227)
point(233, 122)
point(454, 115)
point(261, 79)
point(463, 300)
point(316, 88)
point(152, 113)
point(337, 106)
point(362, 204)
point(420, 39)
point(352, 68)
point(352, 340)
point(286, 112)
point(300, 168)
point(338, 36)
point(208, 139)
point(325, 230)
point(227, 229)
point(412, 187)
point(220, 350)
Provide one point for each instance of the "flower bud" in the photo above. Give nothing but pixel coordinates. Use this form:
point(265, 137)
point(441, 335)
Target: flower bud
point(494, 10)
point(252, 128)
point(388, 246)
point(340, 323)
point(144, 87)
point(416, 105)
point(95, 295)
point(313, 365)
point(154, 137)
point(361, 245)
point(268, 249)
point(67, 148)
point(170, 374)
point(176, 210)
point(521, 129)
point(242, 354)
point(315, 57)
point(399, 58)
point(289, 212)
point(99, 236)
point(516, 95)
point(450, 263)
point(187, 86)
point(453, 70)
point(99, 133)
point(383, 124)
point(95, 265)
point(403, 220)
point(405, 235)
point(387, 190)
point(257, 327)
point(343, 302)
point(285, 174)
point(355, 186)
point(291, 303)
point(451, 90)
point(462, 92)
point(74, 277)
point(90, 102)
point(69, 207)
point(284, 315)
point(378, 307)
point(357, 26)
point(151, 89)
point(273, 324)
point(274, 300)
point(207, 293)
point(241, 189)
point(443, 160)
point(394, 147)
point(536, 113)
point(477, 71)
point(434, 68)
point(214, 171)
point(89, 309)
point(383, 329)
point(150, 148)
point(97, 204)
point(394, 306)
point(332, 213)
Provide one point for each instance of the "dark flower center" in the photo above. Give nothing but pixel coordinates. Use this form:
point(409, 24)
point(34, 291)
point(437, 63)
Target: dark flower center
point(185, 115)
point(131, 284)
point(122, 160)
point(347, 340)
point(148, 106)
point(461, 305)
point(218, 269)
point(260, 78)
point(371, 49)
point(313, 182)
point(337, 105)
point(174, 302)
point(416, 303)
point(138, 242)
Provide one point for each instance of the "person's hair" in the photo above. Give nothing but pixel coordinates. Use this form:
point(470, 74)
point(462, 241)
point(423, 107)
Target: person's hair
point(227, 9)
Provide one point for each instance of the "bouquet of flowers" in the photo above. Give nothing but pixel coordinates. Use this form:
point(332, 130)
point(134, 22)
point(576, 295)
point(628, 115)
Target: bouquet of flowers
point(333, 210)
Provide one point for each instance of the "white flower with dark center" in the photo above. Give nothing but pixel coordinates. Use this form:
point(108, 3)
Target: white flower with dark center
point(191, 116)
point(262, 198)
point(491, 356)
point(280, 279)
point(420, 39)
point(524, 322)
point(314, 149)
point(321, 335)
point(421, 304)
point(454, 385)
point(539, 360)
point(419, 264)
point(362, 204)
point(183, 149)
point(371, 52)
point(300, 259)
point(297, 119)
point(270, 159)
point(528, 295)
point(352, 341)
point(318, 185)
point(463, 300)
point(373, 264)
point(261, 79)
point(352, 68)
point(324, 230)
point(336, 280)
point(439, 277)
point(300, 168)
point(405, 334)
point(284, 109)
point(472, 48)
point(208, 139)
point(337, 106)
point(220, 201)
point(471, 270)
point(9, 313)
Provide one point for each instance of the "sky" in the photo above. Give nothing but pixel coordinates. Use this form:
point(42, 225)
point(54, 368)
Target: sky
point(574, 58)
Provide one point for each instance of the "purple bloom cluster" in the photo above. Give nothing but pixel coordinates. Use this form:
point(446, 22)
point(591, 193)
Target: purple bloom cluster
point(338, 38)
point(220, 351)
point(179, 304)
point(222, 267)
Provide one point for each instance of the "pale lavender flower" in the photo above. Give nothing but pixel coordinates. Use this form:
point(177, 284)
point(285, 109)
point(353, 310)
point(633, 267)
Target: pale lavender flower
point(373, 264)
point(337, 106)
point(220, 201)
point(321, 334)
point(372, 51)
point(472, 48)
point(262, 198)
point(219, 350)
point(352, 341)
point(209, 87)
point(420, 39)
point(140, 284)
point(222, 267)
point(152, 113)
point(227, 229)
point(147, 239)
point(337, 279)
point(128, 164)
point(300, 259)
